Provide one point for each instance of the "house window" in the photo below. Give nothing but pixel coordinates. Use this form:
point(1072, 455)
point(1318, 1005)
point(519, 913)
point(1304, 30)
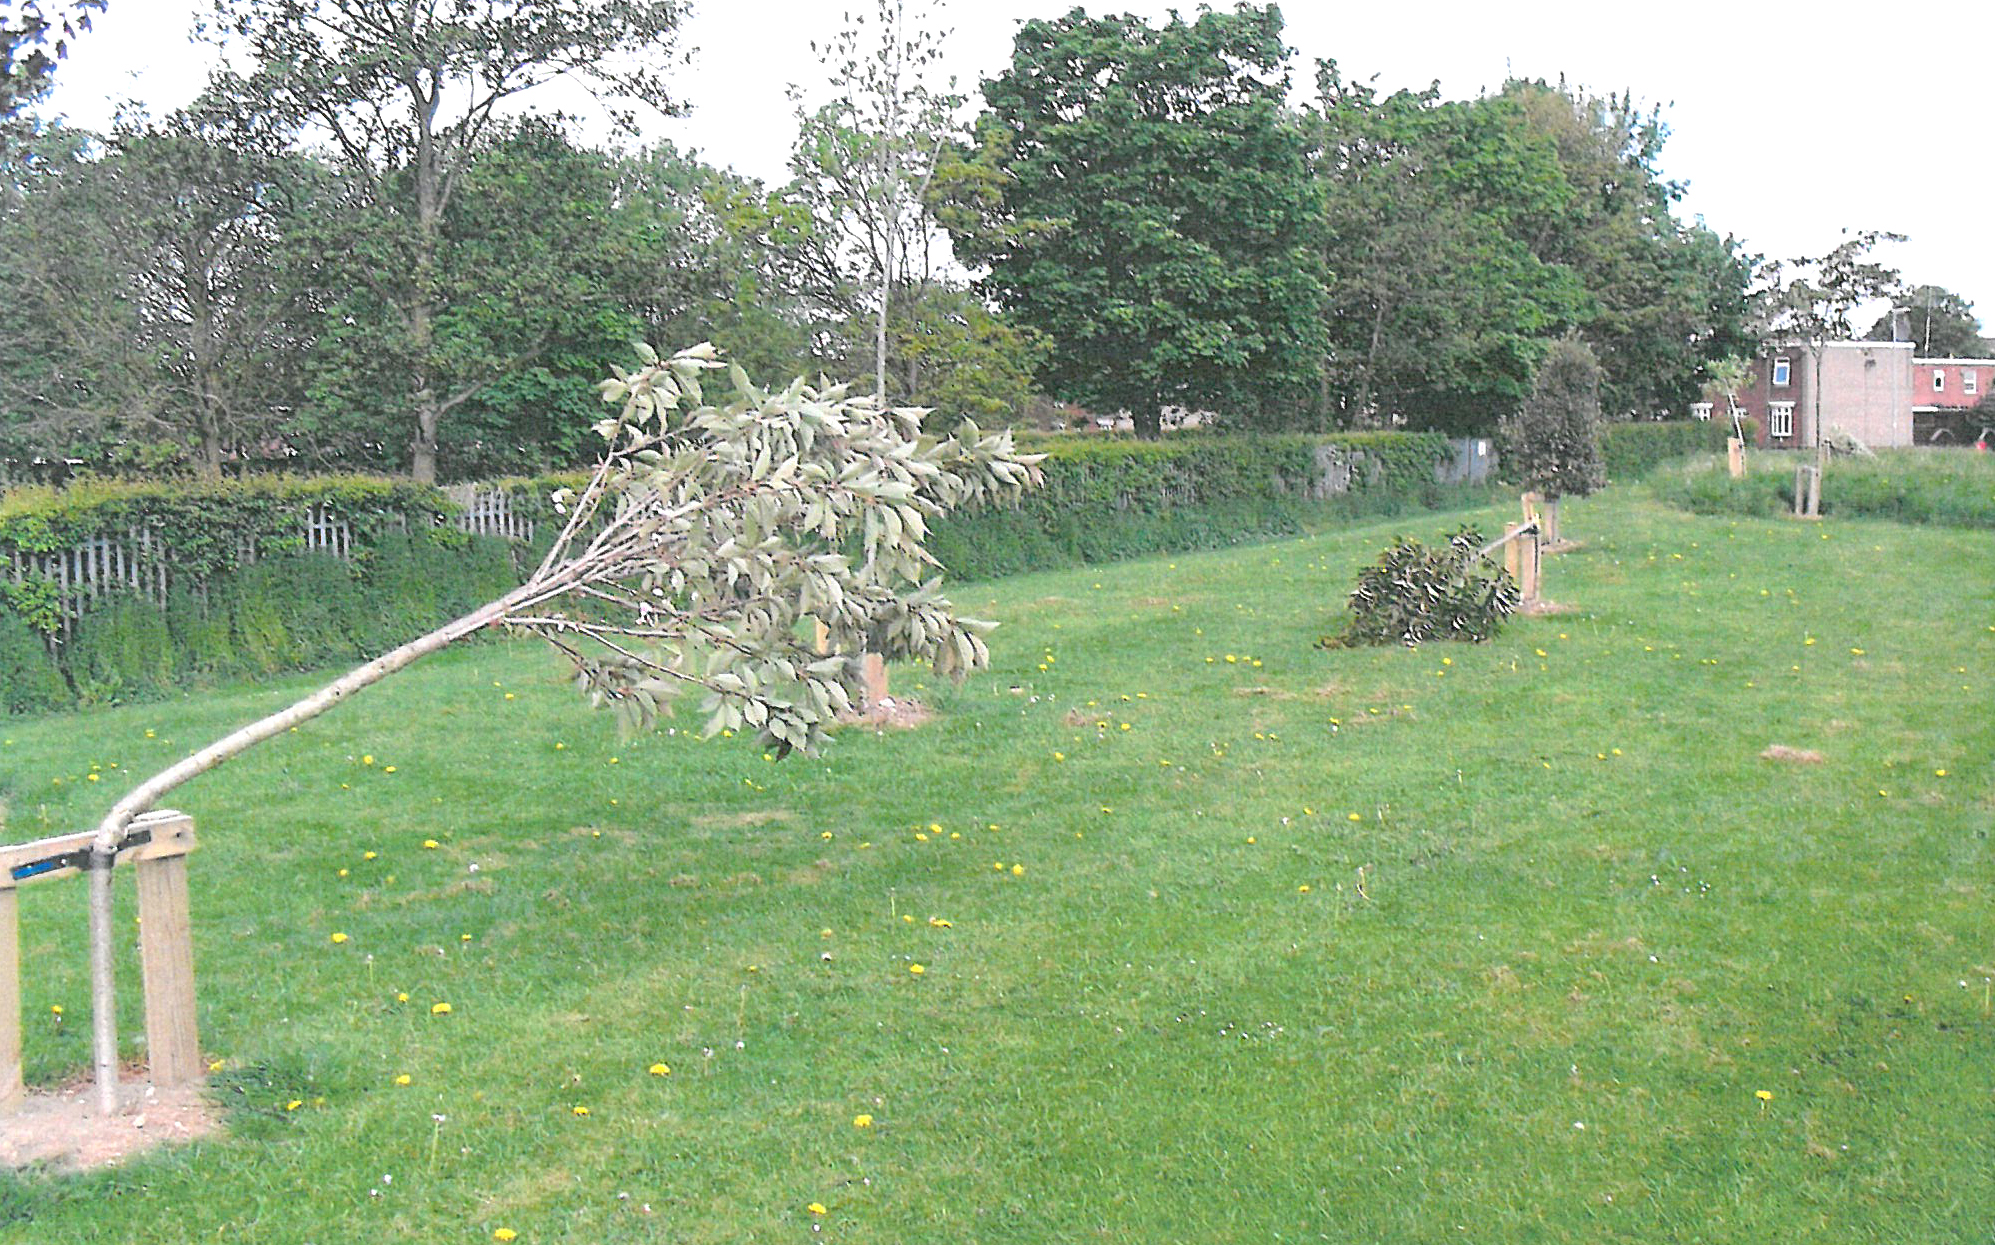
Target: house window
point(1969, 382)
point(1782, 368)
point(1780, 419)
point(1939, 381)
point(1700, 410)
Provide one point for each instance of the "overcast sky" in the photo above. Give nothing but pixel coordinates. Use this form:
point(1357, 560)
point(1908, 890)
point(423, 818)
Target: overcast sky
point(1790, 123)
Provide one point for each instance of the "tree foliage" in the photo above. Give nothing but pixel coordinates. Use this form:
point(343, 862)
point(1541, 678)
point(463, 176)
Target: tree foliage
point(409, 95)
point(1552, 444)
point(34, 36)
point(151, 303)
point(1414, 594)
point(1152, 212)
point(1942, 323)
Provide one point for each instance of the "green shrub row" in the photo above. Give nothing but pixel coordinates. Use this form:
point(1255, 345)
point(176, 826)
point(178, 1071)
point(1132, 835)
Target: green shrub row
point(1949, 487)
point(1632, 451)
point(286, 612)
point(1106, 499)
point(211, 525)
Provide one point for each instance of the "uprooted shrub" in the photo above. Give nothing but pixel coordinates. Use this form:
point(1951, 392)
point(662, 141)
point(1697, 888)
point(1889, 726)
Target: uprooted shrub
point(1413, 594)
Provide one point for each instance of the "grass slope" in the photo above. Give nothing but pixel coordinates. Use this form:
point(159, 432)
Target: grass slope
point(1223, 938)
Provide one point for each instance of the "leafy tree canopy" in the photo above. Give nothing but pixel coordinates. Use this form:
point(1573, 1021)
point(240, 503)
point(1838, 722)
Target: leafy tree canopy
point(1152, 213)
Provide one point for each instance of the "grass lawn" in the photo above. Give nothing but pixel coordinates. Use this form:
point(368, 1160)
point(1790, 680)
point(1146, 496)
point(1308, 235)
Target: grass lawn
point(1220, 937)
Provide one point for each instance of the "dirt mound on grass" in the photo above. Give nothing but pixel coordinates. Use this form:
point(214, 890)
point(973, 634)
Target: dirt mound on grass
point(1793, 756)
point(62, 1129)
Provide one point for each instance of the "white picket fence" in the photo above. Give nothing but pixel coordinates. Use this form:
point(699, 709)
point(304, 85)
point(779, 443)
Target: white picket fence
point(139, 561)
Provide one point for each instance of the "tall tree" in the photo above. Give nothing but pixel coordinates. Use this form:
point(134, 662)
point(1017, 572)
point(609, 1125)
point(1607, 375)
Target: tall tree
point(1665, 299)
point(1154, 212)
point(540, 275)
point(1942, 324)
point(151, 305)
point(405, 93)
point(1437, 306)
point(864, 162)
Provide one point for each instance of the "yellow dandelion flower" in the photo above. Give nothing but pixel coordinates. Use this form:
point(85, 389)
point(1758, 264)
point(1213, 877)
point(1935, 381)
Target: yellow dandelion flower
point(403, 1079)
point(388, 769)
point(578, 1109)
point(1018, 871)
point(55, 1009)
point(369, 855)
point(503, 1234)
point(402, 996)
point(659, 1069)
point(368, 759)
point(1303, 889)
point(439, 1009)
point(916, 969)
point(1764, 1095)
point(294, 1104)
point(862, 1120)
point(817, 1208)
point(1356, 817)
point(431, 845)
point(338, 939)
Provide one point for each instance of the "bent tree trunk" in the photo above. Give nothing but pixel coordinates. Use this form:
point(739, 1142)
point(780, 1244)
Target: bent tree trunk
point(142, 799)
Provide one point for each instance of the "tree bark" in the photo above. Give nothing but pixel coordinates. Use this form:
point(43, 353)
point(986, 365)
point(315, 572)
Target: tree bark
point(143, 798)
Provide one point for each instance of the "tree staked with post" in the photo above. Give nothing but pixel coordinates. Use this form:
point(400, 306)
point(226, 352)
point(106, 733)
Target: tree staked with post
point(1551, 445)
point(704, 552)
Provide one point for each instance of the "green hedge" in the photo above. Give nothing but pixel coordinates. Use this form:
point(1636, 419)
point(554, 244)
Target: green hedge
point(1110, 498)
point(289, 612)
point(1632, 451)
point(210, 525)
point(228, 614)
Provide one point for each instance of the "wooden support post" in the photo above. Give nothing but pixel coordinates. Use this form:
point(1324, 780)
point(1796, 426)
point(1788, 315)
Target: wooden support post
point(1800, 490)
point(1815, 492)
point(166, 955)
point(1735, 457)
point(1531, 503)
point(1520, 558)
point(10, 995)
point(873, 668)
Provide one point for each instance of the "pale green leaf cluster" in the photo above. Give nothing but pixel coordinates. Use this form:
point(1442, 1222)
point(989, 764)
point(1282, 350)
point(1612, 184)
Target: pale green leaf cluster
point(730, 531)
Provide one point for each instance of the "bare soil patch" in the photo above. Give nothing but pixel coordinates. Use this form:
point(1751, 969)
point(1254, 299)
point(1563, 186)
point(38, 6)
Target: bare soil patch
point(62, 1130)
point(1792, 756)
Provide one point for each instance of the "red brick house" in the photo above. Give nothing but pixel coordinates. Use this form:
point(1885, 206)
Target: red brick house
point(1795, 393)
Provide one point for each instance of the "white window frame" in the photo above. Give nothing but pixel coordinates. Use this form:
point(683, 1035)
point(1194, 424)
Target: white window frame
point(1939, 380)
point(1783, 371)
point(1970, 383)
point(1780, 420)
point(1701, 410)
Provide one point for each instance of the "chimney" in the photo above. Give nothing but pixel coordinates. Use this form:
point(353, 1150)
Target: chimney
point(1901, 324)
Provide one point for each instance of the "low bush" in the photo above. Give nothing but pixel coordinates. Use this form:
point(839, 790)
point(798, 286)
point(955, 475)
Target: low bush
point(29, 680)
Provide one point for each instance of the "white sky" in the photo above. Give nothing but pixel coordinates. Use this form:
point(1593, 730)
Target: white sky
point(1788, 122)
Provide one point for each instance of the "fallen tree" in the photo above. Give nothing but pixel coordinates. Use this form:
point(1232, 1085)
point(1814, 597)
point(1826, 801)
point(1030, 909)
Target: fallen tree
point(707, 552)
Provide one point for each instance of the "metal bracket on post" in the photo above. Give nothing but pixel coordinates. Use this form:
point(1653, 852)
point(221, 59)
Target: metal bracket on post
point(157, 845)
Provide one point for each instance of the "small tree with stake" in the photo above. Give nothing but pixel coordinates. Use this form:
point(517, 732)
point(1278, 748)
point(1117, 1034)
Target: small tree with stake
point(712, 536)
point(1552, 445)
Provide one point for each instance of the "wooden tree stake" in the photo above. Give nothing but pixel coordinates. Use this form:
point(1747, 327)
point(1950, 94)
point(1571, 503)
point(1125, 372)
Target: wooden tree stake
point(166, 956)
point(10, 995)
point(1735, 457)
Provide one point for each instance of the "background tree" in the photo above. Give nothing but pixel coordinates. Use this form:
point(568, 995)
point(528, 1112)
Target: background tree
point(406, 93)
point(1943, 324)
point(1437, 308)
point(1663, 298)
point(151, 305)
point(863, 165)
point(34, 36)
point(537, 274)
point(1552, 444)
point(1813, 300)
point(701, 556)
point(1154, 213)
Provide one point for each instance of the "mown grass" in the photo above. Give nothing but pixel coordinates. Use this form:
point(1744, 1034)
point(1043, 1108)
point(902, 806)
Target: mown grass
point(1954, 487)
point(1490, 943)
